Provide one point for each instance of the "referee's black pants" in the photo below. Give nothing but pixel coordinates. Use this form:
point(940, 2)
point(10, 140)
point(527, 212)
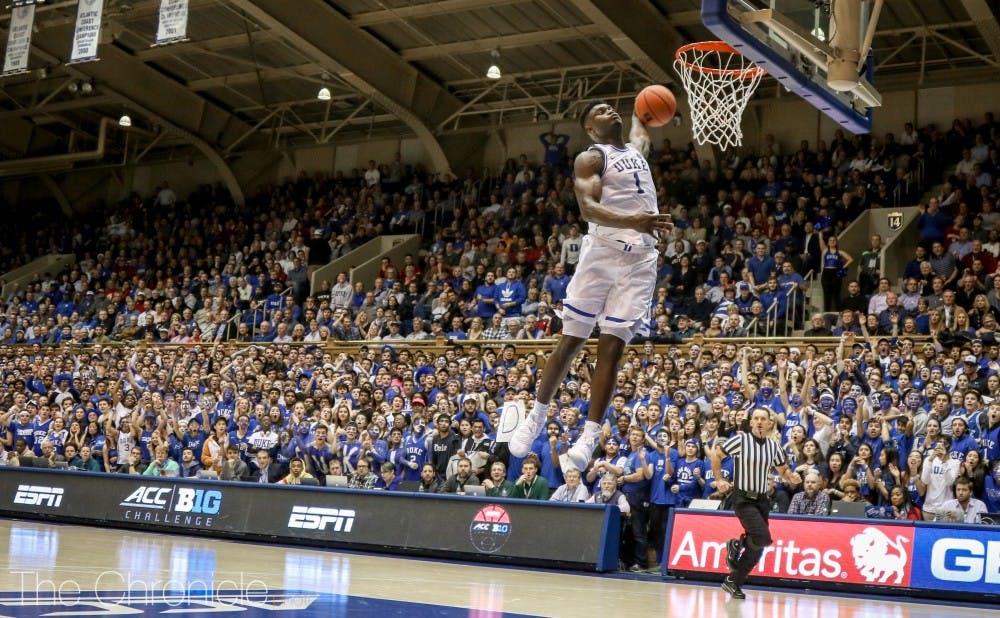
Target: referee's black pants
point(752, 513)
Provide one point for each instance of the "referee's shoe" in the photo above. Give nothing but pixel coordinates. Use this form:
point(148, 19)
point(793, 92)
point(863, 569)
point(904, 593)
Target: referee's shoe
point(734, 591)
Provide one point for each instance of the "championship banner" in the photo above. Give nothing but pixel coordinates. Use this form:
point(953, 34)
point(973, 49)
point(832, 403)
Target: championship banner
point(88, 31)
point(22, 20)
point(173, 22)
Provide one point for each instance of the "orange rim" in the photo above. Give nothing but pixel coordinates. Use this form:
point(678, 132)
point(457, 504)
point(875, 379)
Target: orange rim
point(716, 46)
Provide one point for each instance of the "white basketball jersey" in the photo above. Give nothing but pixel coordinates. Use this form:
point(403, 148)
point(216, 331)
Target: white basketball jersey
point(626, 187)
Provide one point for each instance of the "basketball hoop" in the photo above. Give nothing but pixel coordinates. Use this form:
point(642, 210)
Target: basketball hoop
point(719, 82)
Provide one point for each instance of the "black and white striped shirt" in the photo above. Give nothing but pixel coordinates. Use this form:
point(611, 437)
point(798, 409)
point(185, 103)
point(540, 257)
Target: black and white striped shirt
point(753, 460)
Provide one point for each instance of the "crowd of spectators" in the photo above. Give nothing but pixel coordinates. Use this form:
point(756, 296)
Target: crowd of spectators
point(265, 400)
point(165, 269)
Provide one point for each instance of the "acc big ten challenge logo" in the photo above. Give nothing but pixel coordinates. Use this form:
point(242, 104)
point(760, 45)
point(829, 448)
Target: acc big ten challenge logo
point(490, 528)
point(173, 505)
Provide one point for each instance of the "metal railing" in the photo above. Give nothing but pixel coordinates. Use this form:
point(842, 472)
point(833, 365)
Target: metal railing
point(914, 177)
point(232, 326)
point(791, 303)
point(269, 313)
point(771, 325)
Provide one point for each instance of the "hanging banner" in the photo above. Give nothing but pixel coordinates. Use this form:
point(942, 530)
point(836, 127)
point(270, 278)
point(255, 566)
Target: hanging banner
point(88, 31)
point(173, 22)
point(22, 20)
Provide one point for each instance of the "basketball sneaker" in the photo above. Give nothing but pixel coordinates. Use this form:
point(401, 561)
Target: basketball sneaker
point(525, 434)
point(579, 455)
point(734, 591)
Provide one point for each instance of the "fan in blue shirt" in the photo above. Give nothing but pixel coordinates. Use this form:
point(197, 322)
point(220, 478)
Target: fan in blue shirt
point(689, 474)
point(961, 441)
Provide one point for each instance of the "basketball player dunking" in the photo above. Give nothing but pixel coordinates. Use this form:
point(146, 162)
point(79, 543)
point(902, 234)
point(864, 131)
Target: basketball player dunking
point(616, 274)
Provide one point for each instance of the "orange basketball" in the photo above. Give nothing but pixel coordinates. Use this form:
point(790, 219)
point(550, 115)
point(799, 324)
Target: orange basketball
point(655, 105)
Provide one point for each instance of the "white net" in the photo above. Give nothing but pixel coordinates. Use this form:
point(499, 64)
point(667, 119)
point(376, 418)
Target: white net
point(719, 82)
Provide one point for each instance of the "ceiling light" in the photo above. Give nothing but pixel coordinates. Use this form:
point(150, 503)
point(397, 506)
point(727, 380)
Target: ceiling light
point(494, 71)
point(73, 87)
point(125, 121)
point(323, 94)
point(86, 88)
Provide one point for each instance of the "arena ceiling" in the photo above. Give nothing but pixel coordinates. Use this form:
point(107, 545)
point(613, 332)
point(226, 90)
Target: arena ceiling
point(248, 77)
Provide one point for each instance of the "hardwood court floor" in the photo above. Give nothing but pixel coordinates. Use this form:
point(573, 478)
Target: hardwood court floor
point(82, 571)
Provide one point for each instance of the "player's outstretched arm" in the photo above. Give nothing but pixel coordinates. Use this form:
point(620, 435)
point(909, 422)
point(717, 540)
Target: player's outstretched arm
point(587, 186)
point(638, 136)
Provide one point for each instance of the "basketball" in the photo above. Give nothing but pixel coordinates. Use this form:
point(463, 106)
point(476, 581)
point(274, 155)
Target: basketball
point(655, 105)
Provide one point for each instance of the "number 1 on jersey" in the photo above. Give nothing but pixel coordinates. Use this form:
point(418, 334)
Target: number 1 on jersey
point(638, 186)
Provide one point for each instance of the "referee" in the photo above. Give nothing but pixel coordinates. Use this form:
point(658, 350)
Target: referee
point(754, 454)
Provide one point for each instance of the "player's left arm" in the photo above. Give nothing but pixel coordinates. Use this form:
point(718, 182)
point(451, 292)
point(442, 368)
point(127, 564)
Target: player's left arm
point(638, 136)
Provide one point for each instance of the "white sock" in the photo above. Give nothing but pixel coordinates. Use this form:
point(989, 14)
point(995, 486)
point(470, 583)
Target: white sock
point(541, 410)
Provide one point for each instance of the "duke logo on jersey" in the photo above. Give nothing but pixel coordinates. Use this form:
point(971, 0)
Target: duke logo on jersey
point(630, 164)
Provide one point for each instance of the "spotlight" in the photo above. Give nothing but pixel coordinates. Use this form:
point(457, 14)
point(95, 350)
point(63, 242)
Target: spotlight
point(86, 88)
point(125, 121)
point(494, 71)
point(323, 94)
point(73, 87)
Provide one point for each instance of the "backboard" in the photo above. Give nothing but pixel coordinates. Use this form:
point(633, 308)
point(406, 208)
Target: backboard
point(817, 49)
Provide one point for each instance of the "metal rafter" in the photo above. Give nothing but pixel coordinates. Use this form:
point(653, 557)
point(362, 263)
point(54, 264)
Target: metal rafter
point(524, 39)
point(986, 22)
point(155, 96)
point(361, 61)
point(423, 11)
point(57, 108)
point(320, 125)
point(636, 28)
point(233, 41)
point(307, 72)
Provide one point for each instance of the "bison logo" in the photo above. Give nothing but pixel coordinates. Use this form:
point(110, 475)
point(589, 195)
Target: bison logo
point(877, 557)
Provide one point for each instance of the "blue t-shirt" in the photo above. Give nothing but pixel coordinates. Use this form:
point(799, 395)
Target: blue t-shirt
point(659, 492)
point(792, 420)
point(194, 442)
point(414, 450)
point(41, 431)
point(991, 495)
point(961, 446)
point(637, 489)
point(24, 432)
point(243, 444)
point(686, 476)
point(549, 471)
point(319, 458)
point(618, 461)
point(915, 496)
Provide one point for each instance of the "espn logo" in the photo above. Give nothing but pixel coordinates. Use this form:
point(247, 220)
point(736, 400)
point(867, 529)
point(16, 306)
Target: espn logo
point(316, 518)
point(37, 495)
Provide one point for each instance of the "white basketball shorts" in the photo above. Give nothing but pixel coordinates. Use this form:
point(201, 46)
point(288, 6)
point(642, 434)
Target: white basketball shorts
point(612, 287)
